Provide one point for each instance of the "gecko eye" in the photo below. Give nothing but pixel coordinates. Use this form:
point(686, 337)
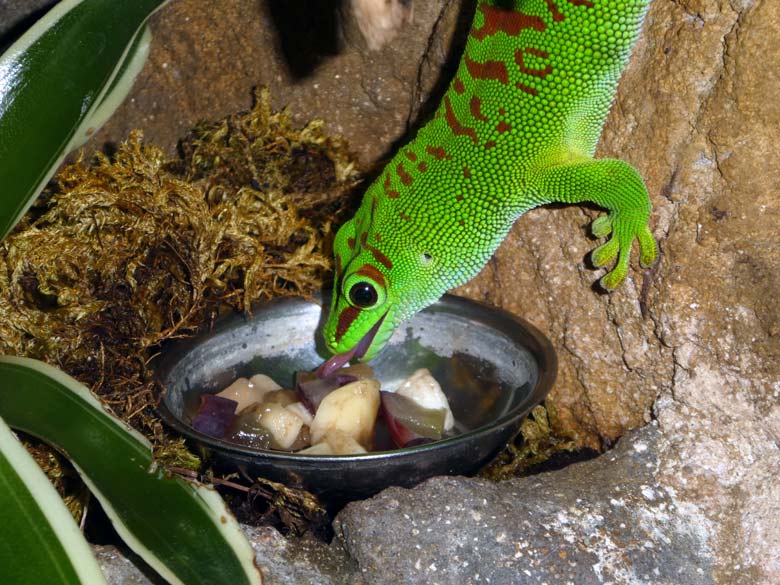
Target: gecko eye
point(363, 295)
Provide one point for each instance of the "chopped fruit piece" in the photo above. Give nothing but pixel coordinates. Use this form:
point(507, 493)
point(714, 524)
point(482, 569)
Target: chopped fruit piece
point(360, 371)
point(283, 397)
point(215, 415)
point(313, 390)
point(264, 383)
point(425, 391)
point(247, 392)
point(343, 444)
point(299, 409)
point(248, 432)
point(408, 422)
point(318, 449)
point(283, 425)
point(351, 409)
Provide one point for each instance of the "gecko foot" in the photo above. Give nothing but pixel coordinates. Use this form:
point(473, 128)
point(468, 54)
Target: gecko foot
point(624, 229)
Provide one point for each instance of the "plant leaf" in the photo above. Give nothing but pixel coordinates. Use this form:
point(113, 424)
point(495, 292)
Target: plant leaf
point(39, 542)
point(184, 532)
point(79, 58)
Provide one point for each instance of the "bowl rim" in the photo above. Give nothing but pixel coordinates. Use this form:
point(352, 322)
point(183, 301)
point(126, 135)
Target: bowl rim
point(538, 345)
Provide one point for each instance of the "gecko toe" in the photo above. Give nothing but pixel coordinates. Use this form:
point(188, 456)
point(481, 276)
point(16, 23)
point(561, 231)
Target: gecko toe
point(605, 253)
point(602, 226)
point(648, 249)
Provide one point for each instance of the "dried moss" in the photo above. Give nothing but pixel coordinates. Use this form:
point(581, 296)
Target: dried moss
point(535, 444)
point(125, 252)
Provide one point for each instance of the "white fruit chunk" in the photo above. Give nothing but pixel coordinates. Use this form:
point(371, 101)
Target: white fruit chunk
point(319, 449)
point(351, 409)
point(342, 444)
point(300, 410)
point(281, 423)
point(335, 443)
point(426, 392)
point(263, 383)
point(247, 392)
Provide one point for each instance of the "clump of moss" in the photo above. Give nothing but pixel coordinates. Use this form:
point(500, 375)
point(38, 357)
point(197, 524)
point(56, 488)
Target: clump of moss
point(125, 252)
point(534, 446)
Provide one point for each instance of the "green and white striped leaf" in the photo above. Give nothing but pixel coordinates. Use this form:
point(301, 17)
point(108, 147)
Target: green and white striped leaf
point(183, 531)
point(40, 543)
point(58, 83)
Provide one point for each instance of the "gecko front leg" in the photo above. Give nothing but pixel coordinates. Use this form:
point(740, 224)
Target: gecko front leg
point(616, 186)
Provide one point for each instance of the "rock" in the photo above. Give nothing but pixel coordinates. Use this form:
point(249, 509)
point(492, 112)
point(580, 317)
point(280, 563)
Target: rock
point(283, 561)
point(603, 521)
point(117, 568)
point(209, 55)
point(17, 15)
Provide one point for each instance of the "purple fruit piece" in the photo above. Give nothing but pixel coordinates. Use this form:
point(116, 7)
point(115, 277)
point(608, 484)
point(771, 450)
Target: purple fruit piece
point(215, 416)
point(313, 390)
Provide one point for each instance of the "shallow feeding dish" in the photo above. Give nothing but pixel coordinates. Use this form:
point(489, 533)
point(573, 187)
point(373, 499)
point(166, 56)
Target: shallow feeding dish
point(493, 367)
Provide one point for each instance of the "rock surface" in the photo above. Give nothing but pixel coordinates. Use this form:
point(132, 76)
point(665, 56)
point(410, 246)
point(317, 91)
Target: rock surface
point(17, 15)
point(697, 114)
point(304, 561)
point(609, 520)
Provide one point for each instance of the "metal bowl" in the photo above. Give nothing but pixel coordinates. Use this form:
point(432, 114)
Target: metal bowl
point(493, 366)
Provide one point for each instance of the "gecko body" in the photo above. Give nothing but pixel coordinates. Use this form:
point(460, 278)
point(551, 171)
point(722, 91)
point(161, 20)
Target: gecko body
point(516, 129)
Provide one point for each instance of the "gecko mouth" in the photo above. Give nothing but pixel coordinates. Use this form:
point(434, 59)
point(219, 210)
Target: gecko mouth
point(340, 360)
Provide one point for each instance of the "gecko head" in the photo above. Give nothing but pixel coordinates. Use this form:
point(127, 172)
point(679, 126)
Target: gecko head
point(380, 282)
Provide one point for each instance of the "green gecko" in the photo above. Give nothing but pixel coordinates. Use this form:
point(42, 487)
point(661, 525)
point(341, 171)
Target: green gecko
point(516, 129)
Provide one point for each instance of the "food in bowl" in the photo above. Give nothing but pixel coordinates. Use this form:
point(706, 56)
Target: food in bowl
point(341, 413)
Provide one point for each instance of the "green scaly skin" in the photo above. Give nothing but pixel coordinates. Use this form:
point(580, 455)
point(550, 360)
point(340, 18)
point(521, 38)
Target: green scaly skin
point(517, 128)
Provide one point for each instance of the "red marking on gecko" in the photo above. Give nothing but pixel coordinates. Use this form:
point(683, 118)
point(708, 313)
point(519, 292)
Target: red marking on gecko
point(476, 109)
point(490, 144)
point(458, 86)
point(457, 128)
point(378, 255)
point(346, 318)
point(556, 14)
point(467, 172)
point(459, 197)
point(488, 70)
point(405, 217)
point(526, 89)
point(373, 273)
point(391, 193)
point(510, 22)
point(351, 243)
point(405, 177)
point(411, 156)
point(502, 127)
point(437, 152)
point(422, 167)
point(541, 73)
